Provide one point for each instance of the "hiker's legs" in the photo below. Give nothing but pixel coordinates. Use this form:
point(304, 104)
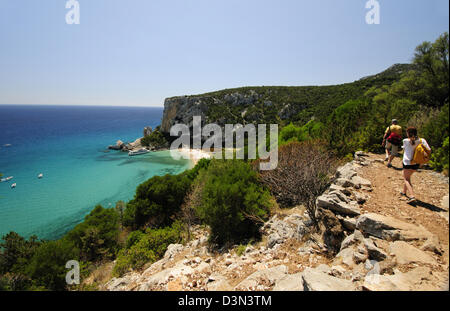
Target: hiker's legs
point(391, 157)
point(387, 153)
point(393, 153)
point(408, 185)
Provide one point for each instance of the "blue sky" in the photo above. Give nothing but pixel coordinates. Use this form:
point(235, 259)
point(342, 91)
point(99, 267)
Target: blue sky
point(138, 52)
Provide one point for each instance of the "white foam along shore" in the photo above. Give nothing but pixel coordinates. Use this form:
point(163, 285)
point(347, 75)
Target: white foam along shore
point(194, 155)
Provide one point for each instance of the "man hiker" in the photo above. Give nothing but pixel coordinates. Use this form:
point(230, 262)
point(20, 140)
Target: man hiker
point(392, 141)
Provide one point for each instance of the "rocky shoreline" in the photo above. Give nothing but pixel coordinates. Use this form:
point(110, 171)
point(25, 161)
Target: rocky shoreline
point(133, 146)
point(355, 250)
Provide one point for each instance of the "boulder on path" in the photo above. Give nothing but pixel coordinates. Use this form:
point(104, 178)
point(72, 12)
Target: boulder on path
point(356, 249)
point(356, 182)
point(347, 171)
point(375, 252)
point(268, 277)
point(407, 254)
point(359, 182)
point(291, 282)
point(333, 202)
point(347, 222)
point(419, 278)
point(432, 244)
point(335, 187)
point(314, 280)
point(390, 229)
point(354, 238)
point(217, 282)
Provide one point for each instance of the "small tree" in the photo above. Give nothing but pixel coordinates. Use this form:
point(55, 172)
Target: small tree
point(156, 201)
point(188, 213)
point(303, 174)
point(233, 202)
point(48, 264)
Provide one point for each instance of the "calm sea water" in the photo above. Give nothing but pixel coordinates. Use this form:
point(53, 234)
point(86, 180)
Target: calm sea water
point(68, 145)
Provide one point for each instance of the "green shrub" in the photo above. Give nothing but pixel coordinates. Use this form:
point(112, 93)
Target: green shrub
point(15, 252)
point(134, 258)
point(440, 158)
point(436, 129)
point(133, 238)
point(343, 125)
point(289, 133)
point(193, 173)
point(48, 264)
point(233, 203)
point(156, 201)
point(146, 248)
point(158, 239)
point(311, 130)
point(97, 236)
point(241, 249)
point(4, 283)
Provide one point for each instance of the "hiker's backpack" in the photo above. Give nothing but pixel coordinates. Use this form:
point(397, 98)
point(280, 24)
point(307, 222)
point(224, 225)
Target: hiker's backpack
point(421, 154)
point(395, 139)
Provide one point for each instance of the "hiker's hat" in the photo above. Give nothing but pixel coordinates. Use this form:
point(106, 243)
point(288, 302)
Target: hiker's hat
point(394, 121)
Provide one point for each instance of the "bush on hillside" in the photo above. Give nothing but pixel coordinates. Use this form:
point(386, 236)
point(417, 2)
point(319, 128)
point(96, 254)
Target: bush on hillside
point(310, 130)
point(303, 174)
point(436, 129)
point(233, 202)
point(133, 238)
point(47, 267)
point(16, 251)
point(97, 236)
point(343, 124)
point(148, 247)
point(440, 158)
point(156, 201)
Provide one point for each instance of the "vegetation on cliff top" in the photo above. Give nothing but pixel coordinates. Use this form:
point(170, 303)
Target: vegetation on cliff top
point(285, 104)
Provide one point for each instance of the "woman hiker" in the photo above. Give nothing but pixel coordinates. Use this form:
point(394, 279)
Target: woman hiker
point(409, 167)
point(393, 136)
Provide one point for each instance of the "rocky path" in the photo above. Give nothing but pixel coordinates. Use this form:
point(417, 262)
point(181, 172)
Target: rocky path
point(431, 190)
point(370, 239)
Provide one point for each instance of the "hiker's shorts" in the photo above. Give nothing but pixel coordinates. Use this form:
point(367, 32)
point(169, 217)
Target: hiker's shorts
point(411, 167)
point(393, 149)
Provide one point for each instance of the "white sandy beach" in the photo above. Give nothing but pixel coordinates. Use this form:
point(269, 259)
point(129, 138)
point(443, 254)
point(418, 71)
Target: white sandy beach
point(194, 155)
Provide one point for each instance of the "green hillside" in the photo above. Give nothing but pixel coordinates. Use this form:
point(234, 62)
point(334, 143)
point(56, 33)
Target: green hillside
point(283, 104)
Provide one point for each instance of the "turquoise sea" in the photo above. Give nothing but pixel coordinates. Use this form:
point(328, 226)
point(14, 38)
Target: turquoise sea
point(68, 144)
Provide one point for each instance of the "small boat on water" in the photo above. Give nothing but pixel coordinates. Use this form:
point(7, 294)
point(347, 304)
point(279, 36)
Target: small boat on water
point(138, 152)
point(40, 175)
point(6, 179)
point(13, 185)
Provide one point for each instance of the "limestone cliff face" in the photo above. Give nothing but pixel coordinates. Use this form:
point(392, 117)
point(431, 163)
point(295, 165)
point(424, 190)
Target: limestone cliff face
point(181, 110)
point(241, 106)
